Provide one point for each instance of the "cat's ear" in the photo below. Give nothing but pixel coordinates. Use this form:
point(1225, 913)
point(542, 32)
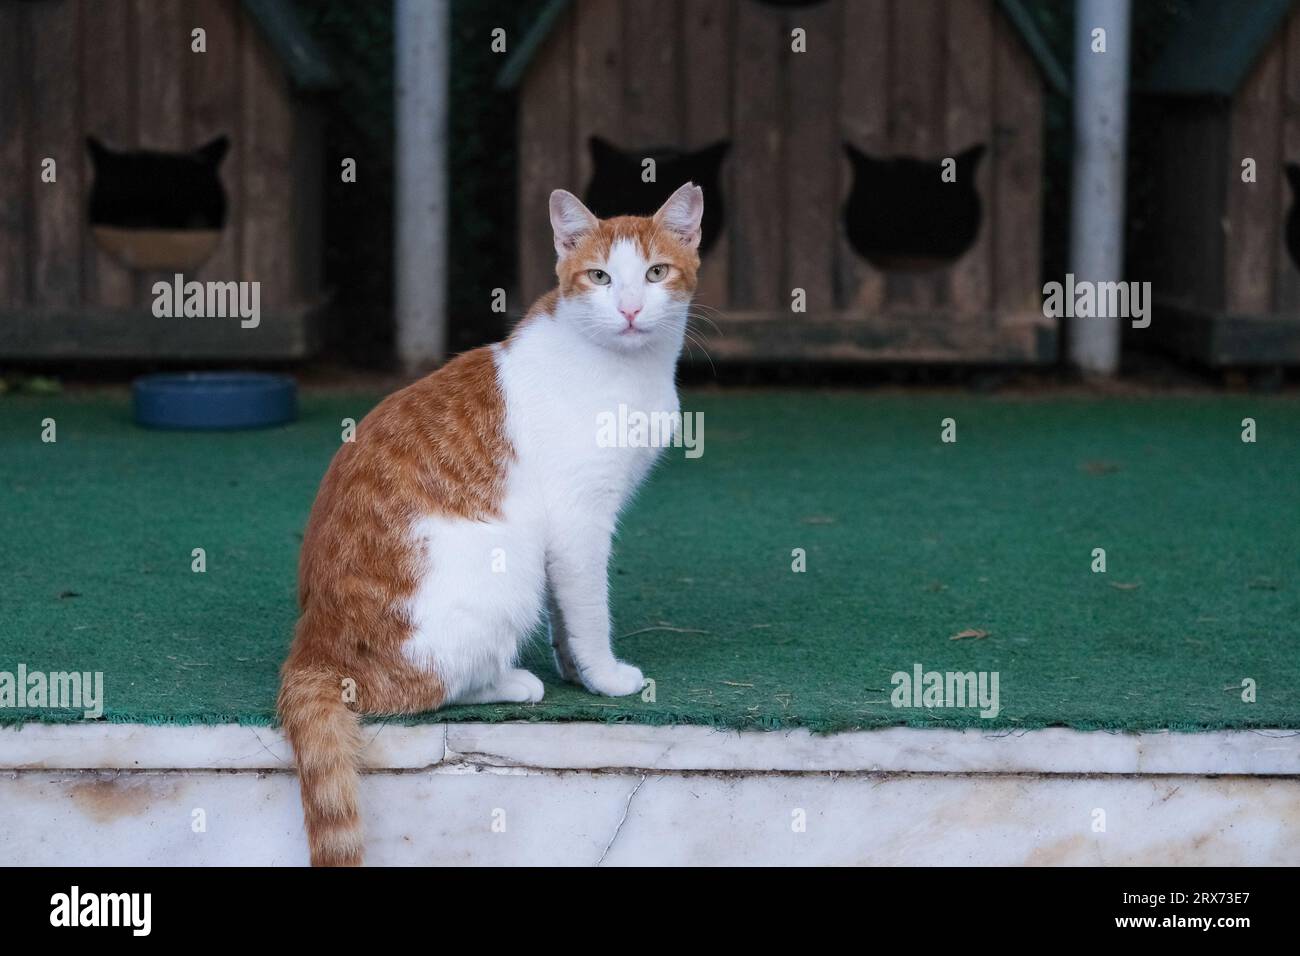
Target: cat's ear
point(968, 159)
point(682, 213)
point(98, 151)
point(570, 221)
point(716, 152)
point(1293, 176)
point(212, 153)
point(602, 151)
point(856, 155)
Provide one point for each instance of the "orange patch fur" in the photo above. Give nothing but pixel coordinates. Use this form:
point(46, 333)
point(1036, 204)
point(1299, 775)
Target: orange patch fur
point(435, 447)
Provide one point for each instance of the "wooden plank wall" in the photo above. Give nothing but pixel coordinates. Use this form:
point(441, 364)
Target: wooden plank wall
point(812, 159)
point(707, 28)
point(864, 122)
point(1286, 298)
point(1255, 209)
point(109, 114)
point(16, 177)
point(755, 181)
point(546, 156)
point(124, 73)
point(1014, 208)
point(56, 223)
point(215, 102)
point(915, 90)
point(895, 77)
point(161, 49)
point(1260, 277)
point(267, 252)
point(970, 118)
point(597, 79)
point(1181, 251)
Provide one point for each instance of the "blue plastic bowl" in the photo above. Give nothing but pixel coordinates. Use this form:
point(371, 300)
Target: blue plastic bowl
point(214, 400)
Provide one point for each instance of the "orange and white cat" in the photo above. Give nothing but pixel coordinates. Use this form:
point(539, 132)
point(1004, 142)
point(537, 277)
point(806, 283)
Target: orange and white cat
point(479, 496)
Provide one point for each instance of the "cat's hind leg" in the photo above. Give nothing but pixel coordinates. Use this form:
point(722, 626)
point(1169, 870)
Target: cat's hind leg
point(512, 686)
point(479, 596)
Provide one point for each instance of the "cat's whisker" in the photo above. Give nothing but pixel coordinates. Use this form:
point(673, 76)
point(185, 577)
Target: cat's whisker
point(690, 338)
point(705, 318)
point(589, 330)
point(704, 309)
point(713, 369)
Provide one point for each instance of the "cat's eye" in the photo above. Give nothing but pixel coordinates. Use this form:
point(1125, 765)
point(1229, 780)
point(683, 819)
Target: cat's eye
point(657, 273)
point(598, 276)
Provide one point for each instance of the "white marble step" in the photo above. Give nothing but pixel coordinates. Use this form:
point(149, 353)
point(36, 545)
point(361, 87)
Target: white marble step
point(593, 746)
point(613, 794)
point(458, 814)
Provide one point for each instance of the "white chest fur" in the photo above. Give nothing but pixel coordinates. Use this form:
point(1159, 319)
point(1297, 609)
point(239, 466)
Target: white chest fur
point(484, 583)
point(559, 390)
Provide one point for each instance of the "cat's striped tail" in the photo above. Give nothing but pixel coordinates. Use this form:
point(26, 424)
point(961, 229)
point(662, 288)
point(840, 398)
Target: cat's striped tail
point(326, 739)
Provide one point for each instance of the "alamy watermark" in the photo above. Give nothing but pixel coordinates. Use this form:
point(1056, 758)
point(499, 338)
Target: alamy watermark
point(75, 908)
point(63, 690)
point(930, 689)
point(636, 429)
point(1084, 299)
point(209, 300)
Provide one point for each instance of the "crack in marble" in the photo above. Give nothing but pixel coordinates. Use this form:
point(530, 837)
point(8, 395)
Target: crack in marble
point(627, 807)
point(259, 739)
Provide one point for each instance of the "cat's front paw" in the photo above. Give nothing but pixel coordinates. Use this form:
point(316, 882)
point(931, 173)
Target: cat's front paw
point(614, 680)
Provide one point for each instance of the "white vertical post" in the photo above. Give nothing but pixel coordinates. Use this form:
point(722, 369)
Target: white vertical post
point(421, 52)
point(1100, 134)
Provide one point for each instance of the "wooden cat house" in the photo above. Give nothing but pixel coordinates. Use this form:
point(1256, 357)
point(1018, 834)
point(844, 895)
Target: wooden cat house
point(129, 156)
point(819, 130)
point(1221, 242)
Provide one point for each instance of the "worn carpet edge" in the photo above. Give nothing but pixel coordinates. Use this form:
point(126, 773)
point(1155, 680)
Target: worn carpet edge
point(661, 718)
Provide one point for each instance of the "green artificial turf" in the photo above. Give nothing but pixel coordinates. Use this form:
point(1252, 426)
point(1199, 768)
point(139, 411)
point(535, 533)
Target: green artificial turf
point(909, 541)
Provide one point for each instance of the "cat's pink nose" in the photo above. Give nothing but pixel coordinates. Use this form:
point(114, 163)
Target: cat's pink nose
point(630, 315)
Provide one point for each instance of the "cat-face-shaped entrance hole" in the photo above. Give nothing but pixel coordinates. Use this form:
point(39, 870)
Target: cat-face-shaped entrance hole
point(901, 214)
point(158, 210)
point(616, 188)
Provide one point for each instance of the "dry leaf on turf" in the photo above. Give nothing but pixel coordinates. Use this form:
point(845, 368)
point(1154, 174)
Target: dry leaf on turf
point(1100, 467)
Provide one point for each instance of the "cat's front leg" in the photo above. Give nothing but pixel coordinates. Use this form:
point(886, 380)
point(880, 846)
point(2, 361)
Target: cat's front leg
point(559, 635)
point(578, 574)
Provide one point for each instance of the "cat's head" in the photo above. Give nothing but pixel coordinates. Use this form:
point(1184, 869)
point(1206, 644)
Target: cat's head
point(626, 283)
